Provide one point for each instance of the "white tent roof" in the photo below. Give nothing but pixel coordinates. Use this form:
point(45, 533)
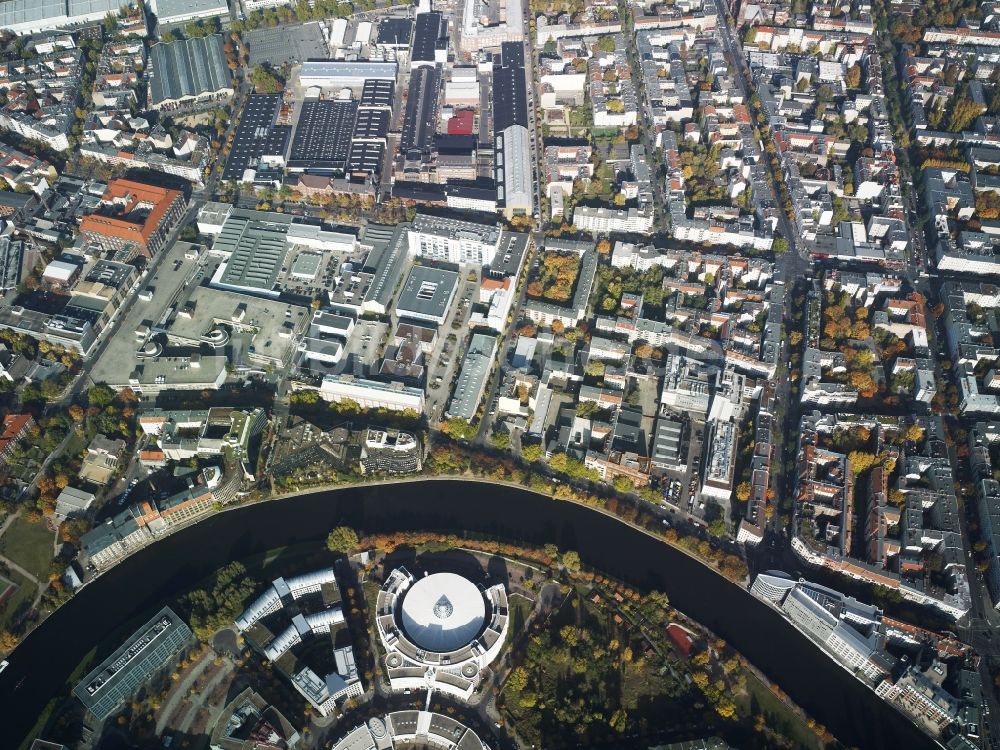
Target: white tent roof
point(443, 612)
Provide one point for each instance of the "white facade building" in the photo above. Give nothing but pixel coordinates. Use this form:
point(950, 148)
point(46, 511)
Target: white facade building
point(606, 220)
point(370, 394)
point(440, 631)
point(453, 241)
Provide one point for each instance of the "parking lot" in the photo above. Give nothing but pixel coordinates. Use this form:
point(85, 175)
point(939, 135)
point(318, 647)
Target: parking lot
point(286, 44)
point(443, 364)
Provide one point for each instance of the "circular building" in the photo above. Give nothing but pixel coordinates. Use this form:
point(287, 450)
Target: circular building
point(439, 631)
point(407, 729)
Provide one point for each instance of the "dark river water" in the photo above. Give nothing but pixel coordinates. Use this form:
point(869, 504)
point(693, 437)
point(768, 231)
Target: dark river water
point(41, 665)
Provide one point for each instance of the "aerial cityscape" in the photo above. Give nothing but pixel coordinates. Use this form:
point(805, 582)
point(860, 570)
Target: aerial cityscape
point(496, 374)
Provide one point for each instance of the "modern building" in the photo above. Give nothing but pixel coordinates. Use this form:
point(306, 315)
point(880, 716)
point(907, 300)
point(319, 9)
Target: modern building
point(427, 294)
point(188, 73)
point(607, 220)
point(454, 240)
point(371, 394)
point(117, 678)
point(134, 218)
point(250, 723)
point(406, 729)
point(282, 603)
point(850, 631)
point(472, 379)
point(440, 631)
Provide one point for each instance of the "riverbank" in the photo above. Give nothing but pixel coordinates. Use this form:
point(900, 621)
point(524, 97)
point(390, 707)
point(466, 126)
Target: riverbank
point(463, 508)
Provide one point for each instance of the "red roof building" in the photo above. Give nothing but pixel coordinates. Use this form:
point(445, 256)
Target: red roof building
point(14, 428)
point(461, 123)
point(680, 638)
point(136, 215)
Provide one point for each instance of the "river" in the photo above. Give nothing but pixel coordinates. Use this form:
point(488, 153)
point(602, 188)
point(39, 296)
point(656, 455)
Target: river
point(42, 663)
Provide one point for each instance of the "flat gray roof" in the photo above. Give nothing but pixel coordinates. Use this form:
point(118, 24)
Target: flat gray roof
point(167, 9)
point(385, 261)
point(472, 378)
point(427, 293)
point(348, 69)
point(257, 243)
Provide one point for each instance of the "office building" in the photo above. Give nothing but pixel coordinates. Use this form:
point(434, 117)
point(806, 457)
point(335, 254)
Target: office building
point(371, 394)
point(116, 679)
point(134, 217)
point(427, 294)
point(453, 240)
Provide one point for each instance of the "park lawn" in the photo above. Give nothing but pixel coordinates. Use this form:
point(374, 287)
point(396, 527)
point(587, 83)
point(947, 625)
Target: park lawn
point(758, 699)
point(15, 603)
point(518, 609)
point(29, 545)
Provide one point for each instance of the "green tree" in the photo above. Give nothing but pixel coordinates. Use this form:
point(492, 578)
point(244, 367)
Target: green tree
point(606, 44)
point(266, 80)
point(570, 560)
point(531, 453)
point(342, 540)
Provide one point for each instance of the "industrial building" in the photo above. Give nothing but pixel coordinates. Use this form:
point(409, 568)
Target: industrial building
point(430, 40)
point(322, 140)
point(35, 16)
point(421, 114)
point(188, 73)
point(514, 171)
point(259, 145)
point(178, 11)
point(487, 25)
point(336, 74)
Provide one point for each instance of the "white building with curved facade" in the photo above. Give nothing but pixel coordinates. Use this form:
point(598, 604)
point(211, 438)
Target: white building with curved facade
point(440, 631)
point(406, 728)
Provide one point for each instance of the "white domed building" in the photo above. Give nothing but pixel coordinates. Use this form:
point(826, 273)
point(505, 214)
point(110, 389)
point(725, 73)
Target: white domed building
point(440, 631)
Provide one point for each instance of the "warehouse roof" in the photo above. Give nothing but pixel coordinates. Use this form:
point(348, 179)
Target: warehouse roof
point(348, 69)
point(187, 68)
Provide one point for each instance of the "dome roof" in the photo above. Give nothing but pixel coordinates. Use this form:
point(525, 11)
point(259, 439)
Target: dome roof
point(443, 612)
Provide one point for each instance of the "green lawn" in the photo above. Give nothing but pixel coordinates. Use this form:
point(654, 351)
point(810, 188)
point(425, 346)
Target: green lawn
point(25, 593)
point(29, 545)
